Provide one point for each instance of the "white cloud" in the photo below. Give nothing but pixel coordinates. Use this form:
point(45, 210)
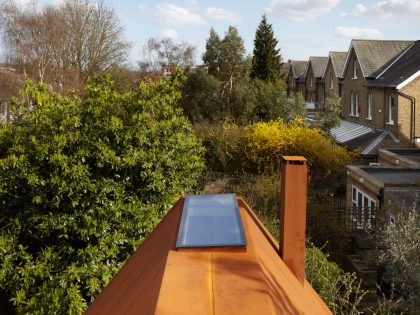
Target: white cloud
point(178, 15)
point(299, 10)
point(360, 9)
point(356, 32)
point(141, 7)
point(222, 14)
point(401, 7)
point(169, 33)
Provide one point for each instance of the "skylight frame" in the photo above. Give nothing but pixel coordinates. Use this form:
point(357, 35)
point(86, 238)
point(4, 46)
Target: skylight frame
point(183, 232)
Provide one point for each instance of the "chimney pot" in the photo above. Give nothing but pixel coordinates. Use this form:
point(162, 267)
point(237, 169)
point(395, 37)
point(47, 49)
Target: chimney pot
point(294, 172)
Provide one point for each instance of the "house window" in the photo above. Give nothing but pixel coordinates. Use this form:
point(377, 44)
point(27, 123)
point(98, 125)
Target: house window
point(391, 219)
point(354, 69)
point(331, 82)
point(352, 104)
point(356, 104)
point(363, 208)
point(369, 109)
point(310, 80)
point(391, 109)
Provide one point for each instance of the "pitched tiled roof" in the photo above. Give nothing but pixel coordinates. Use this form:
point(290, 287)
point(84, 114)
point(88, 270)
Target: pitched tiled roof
point(318, 65)
point(162, 279)
point(338, 58)
point(298, 67)
point(405, 66)
point(374, 54)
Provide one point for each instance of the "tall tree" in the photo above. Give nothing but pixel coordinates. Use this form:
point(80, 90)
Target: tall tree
point(266, 62)
point(59, 44)
point(165, 52)
point(212, 53)
point(232, 56)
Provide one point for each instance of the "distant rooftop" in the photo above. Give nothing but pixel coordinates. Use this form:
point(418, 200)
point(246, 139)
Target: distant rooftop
point(374, 54)
point(411, 154)
point(395, 176)
point(400, 69)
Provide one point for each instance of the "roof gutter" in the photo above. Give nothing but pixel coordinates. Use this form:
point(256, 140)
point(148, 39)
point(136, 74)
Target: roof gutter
point(413, 119)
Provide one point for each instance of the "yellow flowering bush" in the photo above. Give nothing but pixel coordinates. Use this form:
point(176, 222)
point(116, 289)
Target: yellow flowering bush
point(258, 148)
point(267, 142)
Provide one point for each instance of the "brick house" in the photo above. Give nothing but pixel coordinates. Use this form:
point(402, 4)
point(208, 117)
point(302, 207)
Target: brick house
point(395, 91)
point(332, 73)
point(366, 59)
point(378, 194)
point(295, 77)
point(314, 83)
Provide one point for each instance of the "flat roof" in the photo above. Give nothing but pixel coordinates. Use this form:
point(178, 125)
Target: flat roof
point(394, 176)
point(411, 154)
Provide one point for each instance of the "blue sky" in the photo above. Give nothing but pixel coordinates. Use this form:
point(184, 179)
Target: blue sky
point(303, 27)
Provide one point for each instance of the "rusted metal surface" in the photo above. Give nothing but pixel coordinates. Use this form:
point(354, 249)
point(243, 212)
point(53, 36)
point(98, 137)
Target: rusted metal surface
point(294, 173)
point(160, 279)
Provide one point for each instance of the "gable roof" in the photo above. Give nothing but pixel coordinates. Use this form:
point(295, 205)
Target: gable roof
point(337, 58)
point(298, 68)
point(374, 54)
point(318, 65)
point(402, 70)
point(162, 279)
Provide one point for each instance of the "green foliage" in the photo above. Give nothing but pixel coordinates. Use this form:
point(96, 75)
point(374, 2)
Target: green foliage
point(212, 53)
point(329, 116)
point(266, 61)
point(339, 290)
point(399, 246)
point(83, 182)
point(205, 98)
point(232, 56)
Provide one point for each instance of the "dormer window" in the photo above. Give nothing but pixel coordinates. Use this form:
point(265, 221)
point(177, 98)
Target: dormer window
point(354, 69)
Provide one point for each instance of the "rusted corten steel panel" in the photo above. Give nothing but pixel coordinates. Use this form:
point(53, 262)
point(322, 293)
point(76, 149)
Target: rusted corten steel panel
point(160, 279)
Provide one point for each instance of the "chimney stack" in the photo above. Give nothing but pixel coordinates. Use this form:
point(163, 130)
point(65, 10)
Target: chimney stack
point(294, 171)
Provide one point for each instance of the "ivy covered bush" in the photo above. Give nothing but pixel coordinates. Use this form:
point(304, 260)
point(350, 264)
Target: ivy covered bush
point(83, 180)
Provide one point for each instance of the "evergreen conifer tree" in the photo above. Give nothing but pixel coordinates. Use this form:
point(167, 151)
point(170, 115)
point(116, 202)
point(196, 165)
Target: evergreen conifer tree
point(266, 61)
point(212, 53)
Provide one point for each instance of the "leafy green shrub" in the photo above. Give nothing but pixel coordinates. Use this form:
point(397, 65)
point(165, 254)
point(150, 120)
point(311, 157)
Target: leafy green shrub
point(83, 182)
point(339, 290)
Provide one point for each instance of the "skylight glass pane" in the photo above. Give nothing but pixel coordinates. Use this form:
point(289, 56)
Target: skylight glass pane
point(211, 220)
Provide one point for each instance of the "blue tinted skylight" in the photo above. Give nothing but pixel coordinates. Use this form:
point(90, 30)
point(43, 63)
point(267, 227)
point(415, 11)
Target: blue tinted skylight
point(211, 220)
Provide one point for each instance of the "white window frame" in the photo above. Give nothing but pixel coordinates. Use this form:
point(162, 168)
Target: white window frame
point(392, 219)
point(354, 69)
point(358, 213)
point(331, 82)
point(351, 104)
point(391, 109)
point(356, 104)
point(370, 105)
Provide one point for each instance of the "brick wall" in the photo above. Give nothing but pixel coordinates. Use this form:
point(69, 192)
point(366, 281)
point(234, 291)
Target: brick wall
point(328, 73)
point(356, 86)
point(405, 108)
point(310, 90)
